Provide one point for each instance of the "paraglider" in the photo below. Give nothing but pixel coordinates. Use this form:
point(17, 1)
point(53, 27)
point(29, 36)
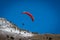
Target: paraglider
point(23, 24)
point(29, 14)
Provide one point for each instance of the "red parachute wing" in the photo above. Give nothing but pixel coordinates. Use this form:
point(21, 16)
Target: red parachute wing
point(29, 15)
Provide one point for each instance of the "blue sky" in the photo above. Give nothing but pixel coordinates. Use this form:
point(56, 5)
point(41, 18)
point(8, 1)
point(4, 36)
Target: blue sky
point(46, 14)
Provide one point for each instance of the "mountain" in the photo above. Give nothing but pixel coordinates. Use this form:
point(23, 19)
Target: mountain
point(9, 31)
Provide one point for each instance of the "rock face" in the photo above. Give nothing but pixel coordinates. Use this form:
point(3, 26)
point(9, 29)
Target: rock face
point(9, 31)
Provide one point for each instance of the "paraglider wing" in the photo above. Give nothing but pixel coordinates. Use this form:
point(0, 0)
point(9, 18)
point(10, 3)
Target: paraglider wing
point(29, 14)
